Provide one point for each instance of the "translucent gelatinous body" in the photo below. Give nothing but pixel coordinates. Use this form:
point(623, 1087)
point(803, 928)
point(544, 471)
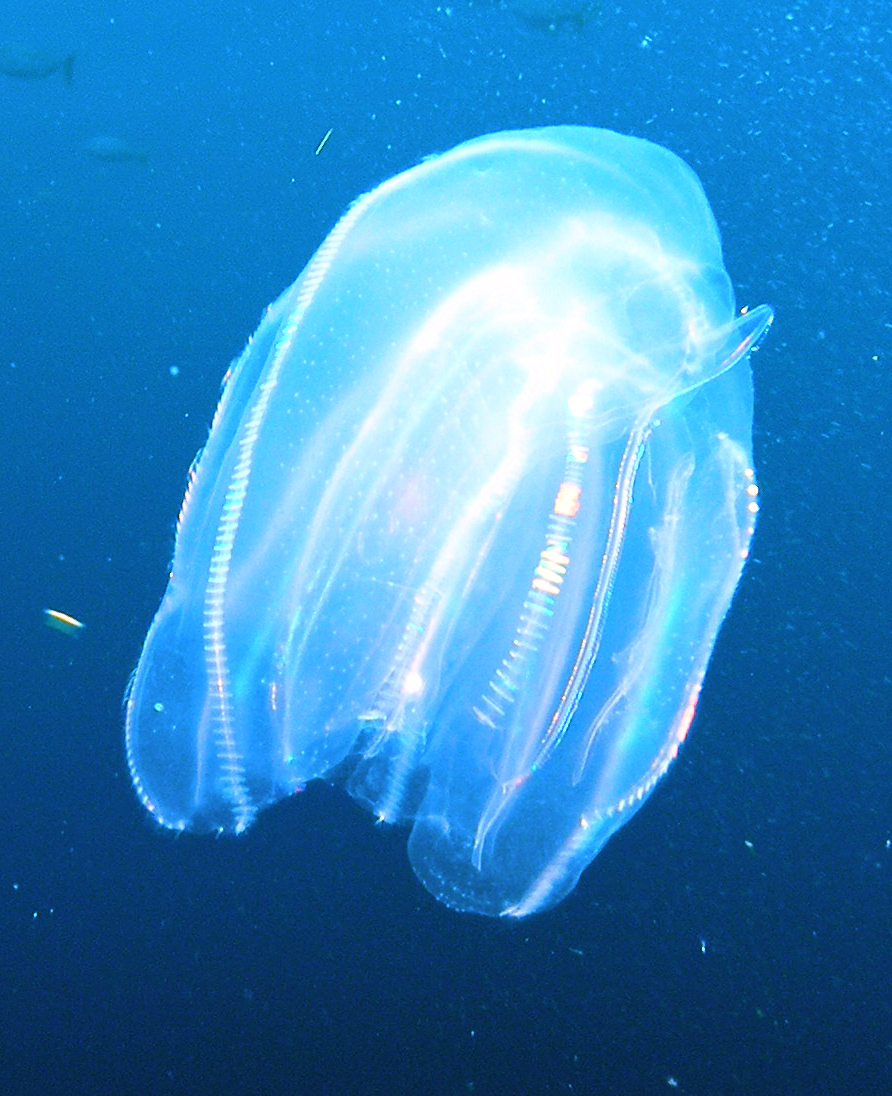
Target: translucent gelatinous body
point(472, 508)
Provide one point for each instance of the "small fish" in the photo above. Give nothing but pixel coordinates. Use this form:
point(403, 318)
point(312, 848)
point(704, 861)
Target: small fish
point(62, 622)
point(116, 150)
point(28, 63)
point(553, 14)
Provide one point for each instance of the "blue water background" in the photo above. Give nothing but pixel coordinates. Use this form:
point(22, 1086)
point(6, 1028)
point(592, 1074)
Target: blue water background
point(735, 936)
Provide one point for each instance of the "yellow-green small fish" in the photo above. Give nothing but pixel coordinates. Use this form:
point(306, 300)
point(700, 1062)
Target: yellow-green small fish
point(62, 622)
point(28, 63)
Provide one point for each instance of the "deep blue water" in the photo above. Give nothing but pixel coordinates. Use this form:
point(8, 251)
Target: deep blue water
point(734, 937)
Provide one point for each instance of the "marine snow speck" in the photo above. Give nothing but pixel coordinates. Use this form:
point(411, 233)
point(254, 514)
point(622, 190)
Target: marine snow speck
point(29, 63)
